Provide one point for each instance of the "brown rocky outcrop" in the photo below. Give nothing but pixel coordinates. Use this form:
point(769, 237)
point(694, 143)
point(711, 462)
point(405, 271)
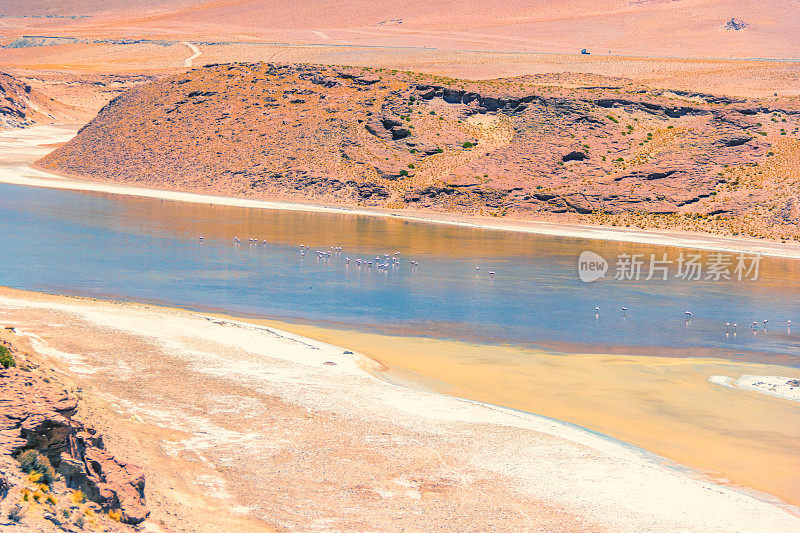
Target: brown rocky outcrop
point(15, 103)
point(37, 414)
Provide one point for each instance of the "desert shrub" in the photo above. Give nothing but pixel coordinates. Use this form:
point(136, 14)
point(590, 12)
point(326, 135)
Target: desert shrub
point(467, 145)
point(6, 359)
point(115, 515)
point(27, 460)
point(32, 462)
point(404, 172)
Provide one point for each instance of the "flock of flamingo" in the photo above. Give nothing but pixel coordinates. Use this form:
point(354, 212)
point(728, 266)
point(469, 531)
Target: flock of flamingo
point(392, 262)
point(729, 328)
point(385, 263)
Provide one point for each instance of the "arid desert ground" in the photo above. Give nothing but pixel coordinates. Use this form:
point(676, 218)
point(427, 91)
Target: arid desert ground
point(615, 123)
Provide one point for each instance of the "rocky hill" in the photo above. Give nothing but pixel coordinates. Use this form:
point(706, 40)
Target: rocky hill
point(571, 147)
point(55, 471)
point(17, 107)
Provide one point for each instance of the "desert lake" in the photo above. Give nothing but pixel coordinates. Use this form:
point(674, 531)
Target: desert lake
point(145, 249)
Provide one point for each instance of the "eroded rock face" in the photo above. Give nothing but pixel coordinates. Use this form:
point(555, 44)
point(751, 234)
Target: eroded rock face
point(38, 415)
point(15, 108)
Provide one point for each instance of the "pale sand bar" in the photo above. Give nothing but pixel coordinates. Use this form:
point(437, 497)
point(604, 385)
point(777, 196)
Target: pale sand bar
point(248, 419)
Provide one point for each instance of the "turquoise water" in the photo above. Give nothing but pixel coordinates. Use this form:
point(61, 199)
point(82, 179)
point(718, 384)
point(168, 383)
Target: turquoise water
point(149, 250)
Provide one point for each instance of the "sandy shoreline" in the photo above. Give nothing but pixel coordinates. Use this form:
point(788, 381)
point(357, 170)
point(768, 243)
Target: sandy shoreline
point(148, 362)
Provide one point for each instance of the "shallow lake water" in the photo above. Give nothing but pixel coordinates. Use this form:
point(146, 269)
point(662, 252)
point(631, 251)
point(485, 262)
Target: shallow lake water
point(149, 250)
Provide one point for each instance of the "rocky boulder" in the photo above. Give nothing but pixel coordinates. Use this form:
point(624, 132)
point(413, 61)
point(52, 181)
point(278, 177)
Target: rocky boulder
point(735, 24)
point(36, 414)
point(574, 156)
